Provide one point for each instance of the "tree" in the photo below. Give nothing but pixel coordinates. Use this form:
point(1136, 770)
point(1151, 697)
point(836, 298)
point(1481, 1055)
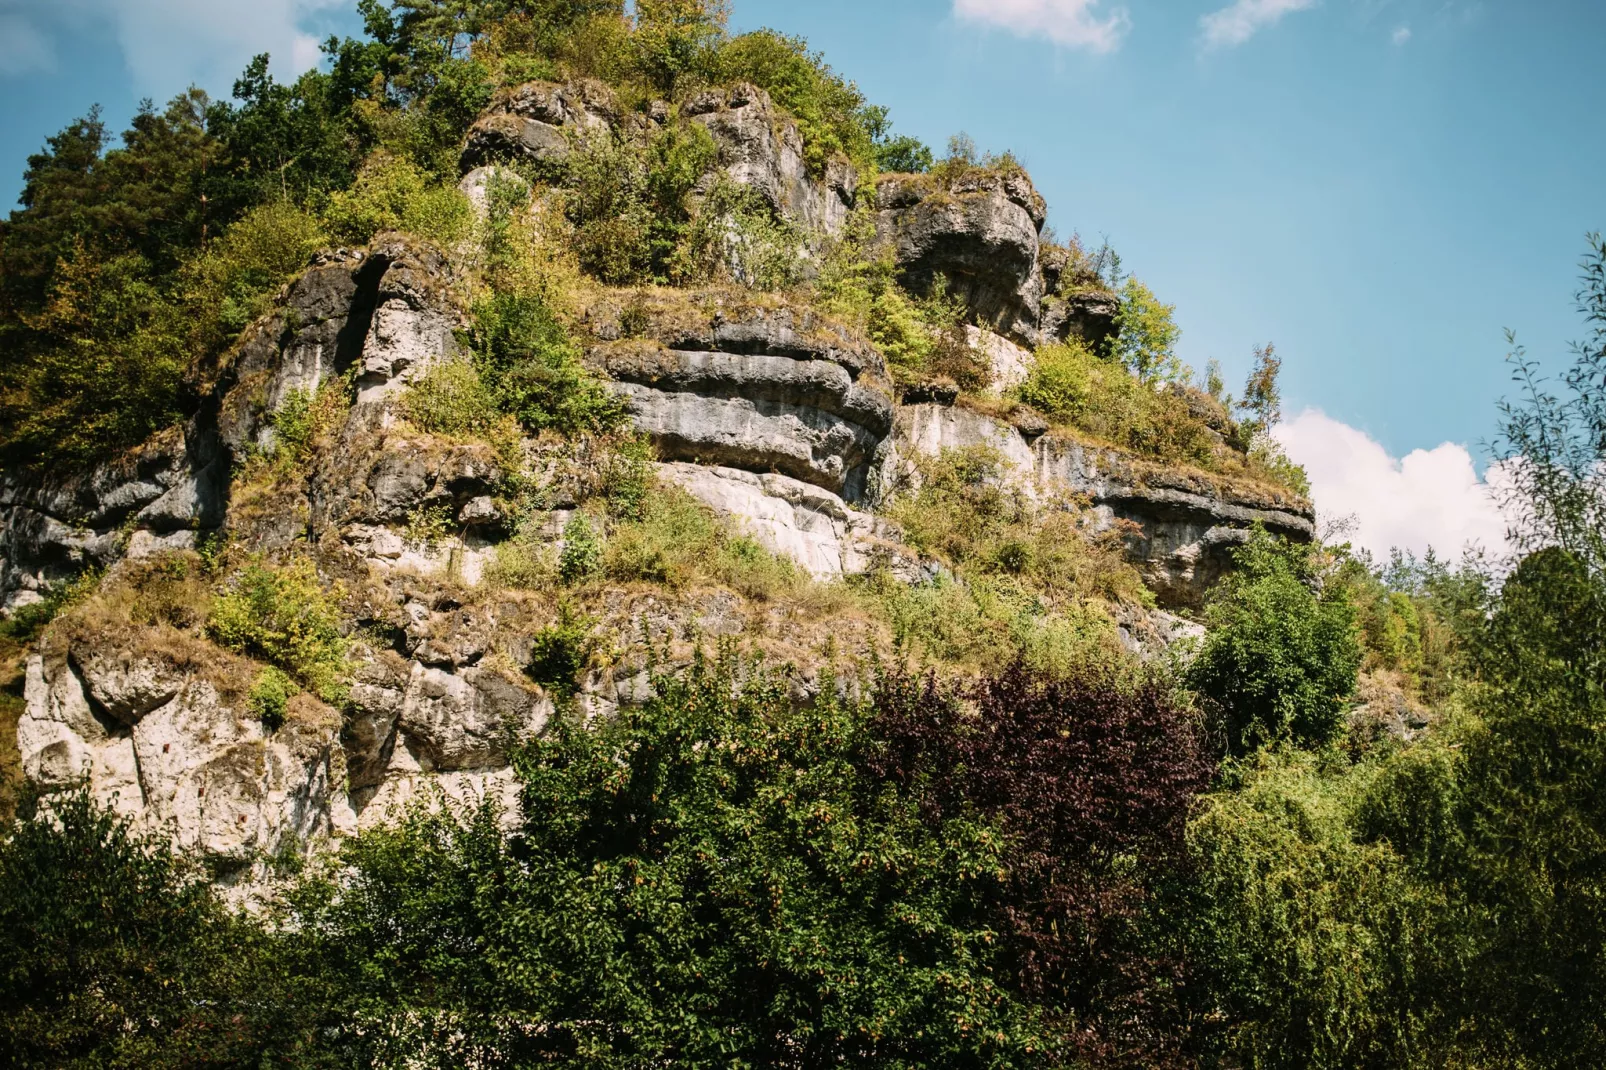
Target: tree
point(1554, 442)
point(115, 953)
point(1282, 652)
point(675, 38)
point(1147, 340)
point(1262, 403)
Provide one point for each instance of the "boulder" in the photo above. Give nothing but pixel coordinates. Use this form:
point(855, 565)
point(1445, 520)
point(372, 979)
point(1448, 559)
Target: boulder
point(798, 520)
point(1089, 314)
point(979, 233)
point(539, 124)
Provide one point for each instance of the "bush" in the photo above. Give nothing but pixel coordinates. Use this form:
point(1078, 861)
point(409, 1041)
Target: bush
point(630, 202)
point(677, 38)
point(1310, 946)
point(393, 193)
point(968, 512)
point(559, 652)
point(737, 236)
point(1281, 658)
point(115, 953)
point(1146, 343)
point(270, 696)
point(451, 399)
point(285, 617)
point(712, 878)
point(831, 113)
point(676, 540)
point(531, 367)
point(582, 550)
point(1090, 781)
point(98, 369)
point(235, 279)
point(1070, 384)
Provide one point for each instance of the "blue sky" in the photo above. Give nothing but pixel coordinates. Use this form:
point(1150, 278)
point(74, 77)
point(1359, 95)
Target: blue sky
point(1380, 187)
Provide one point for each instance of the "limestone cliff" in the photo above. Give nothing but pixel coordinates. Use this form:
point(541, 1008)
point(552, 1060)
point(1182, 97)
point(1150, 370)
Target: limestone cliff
point(781, 420)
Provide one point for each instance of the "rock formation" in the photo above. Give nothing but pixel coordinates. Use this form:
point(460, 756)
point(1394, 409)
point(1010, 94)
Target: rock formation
point(780, 420)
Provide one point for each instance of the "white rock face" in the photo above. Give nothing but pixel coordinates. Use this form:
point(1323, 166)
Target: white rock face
point(1010, 363)
point(810, 525)
point(928, 430)
point(1182, 528)
point(193, 768)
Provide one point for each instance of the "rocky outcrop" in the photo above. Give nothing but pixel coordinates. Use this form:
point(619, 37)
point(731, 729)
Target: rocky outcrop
point(805, 523)
point(761, 148)
point(759, 388)
point(542, 124)
point(978, 233)
point(170, 746)
point(539, 124)
point(1182, 526)
point(779, 419)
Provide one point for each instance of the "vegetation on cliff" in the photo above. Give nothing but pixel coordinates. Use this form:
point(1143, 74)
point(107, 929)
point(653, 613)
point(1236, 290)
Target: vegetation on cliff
point(1357, 823)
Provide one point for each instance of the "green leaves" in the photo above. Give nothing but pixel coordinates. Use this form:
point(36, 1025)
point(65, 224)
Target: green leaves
point(286, 617)
point(1282, 653)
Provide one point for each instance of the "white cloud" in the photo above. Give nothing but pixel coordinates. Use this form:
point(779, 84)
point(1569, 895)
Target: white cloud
point(170, 44)
point(1073, 23)
point(1401, 35)
point(23, 48)
point(1428, 498)
point(1238, 22)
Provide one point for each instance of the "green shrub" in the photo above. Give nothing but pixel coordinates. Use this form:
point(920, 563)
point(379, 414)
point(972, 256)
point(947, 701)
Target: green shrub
point(582, 550)
point(95, 920)
point(1311, 947)
point(26, 622)
point(270, 696)
point(530, 365)
point(710, 879)
point(676, 541)
point(235, 279)
point(969, 513)
point(1146, 343)
point(451, 399)
point(560, 651)
point(393, 193)
point(675, 39)
point(630, 202)
point(1072, 385)
point(286, 617)
point(1281, 658)
point(830, 111)
point(737, 236)
point(98, 369)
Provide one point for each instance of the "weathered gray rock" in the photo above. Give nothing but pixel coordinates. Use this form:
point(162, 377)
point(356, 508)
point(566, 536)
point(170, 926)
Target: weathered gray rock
point(125, 683)
point(1184, 526)
point(762, 149)
point(540, 123)
point(764, 389)
point(1091, 315)
point(979, 233)
point(193, 768)
point(54, 526)
point(1009, 363)
point(801, 521)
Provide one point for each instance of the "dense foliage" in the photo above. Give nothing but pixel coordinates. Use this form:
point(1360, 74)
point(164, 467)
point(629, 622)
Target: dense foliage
point(1282, 652)
point(1363, 826)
